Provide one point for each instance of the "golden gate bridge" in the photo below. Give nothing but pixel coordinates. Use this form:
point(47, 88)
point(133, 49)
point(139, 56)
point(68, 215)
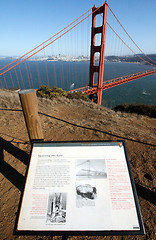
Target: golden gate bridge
point(95, 82)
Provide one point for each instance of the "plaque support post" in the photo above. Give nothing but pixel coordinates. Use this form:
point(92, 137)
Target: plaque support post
point(30, 111)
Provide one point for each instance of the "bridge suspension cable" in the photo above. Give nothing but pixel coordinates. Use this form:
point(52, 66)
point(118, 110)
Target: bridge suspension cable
point(46, 40)
point(127, 45)
point(67, 74)
point(130, 36)
point(42, 44)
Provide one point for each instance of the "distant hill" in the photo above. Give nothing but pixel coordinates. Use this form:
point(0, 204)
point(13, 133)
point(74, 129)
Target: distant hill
point(132, 58)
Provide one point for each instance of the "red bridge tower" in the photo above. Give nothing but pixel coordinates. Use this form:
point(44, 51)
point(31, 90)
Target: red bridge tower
point(101, 49)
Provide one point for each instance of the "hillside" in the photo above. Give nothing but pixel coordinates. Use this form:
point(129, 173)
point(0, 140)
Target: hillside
point(151, 58)
point(72, 119)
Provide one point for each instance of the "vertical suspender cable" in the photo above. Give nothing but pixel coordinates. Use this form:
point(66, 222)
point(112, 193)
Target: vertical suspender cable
point(21, 76)
point(17, 77)
point(30, 75)
point(27, 74)
point(5, 81)
point(38, 73)
point(12, 80)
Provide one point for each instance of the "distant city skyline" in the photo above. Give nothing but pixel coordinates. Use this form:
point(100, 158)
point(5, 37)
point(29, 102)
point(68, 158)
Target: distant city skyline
point(26, 24)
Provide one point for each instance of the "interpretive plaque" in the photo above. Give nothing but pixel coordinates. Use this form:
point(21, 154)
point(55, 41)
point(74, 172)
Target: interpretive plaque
point(80, 188)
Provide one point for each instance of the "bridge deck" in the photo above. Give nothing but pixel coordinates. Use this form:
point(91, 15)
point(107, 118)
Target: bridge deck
point(115, 82)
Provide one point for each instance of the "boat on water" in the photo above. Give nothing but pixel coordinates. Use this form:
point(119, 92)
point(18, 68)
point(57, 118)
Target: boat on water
point(145, 93)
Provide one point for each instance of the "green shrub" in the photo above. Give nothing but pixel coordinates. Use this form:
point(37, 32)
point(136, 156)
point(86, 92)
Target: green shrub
point(54, 92)
point(51, 93)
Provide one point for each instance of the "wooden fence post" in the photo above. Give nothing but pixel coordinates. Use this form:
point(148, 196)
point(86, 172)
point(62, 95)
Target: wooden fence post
point(30, 110)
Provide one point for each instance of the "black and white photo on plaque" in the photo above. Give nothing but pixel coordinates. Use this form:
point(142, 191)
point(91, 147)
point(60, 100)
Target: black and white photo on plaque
point(56, 210)
point(86, 194)
point(91, 168)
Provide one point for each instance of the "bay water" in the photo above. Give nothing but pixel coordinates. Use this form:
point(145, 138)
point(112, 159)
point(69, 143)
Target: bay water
point(68, 75)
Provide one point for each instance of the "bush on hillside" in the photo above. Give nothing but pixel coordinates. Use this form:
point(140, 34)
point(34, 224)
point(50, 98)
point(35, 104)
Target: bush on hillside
point(54, 92)
point(141, 109)
point(77, 95)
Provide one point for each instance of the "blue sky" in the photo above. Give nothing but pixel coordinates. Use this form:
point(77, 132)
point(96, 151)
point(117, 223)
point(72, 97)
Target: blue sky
point(27, 23)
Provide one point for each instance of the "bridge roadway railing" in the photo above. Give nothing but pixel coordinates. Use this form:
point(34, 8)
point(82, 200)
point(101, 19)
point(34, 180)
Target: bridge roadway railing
point(115, 82)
